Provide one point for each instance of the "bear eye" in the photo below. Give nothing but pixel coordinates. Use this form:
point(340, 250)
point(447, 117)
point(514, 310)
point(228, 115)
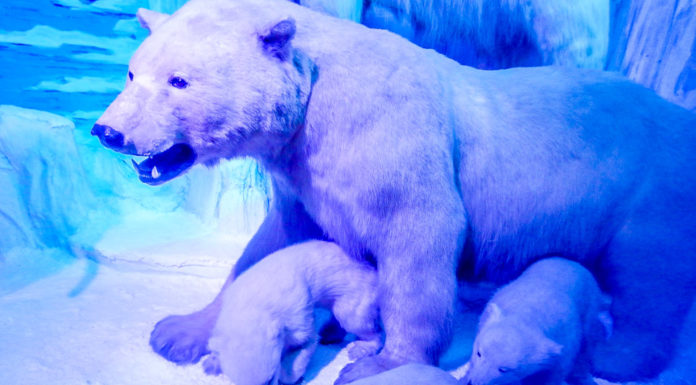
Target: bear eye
point(178, 82)
point(130, 76)
point(503, 370)
point(478, 353)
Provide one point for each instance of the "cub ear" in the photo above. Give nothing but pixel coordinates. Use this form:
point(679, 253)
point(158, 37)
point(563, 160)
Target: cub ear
point(150, 20)
point(276, 40)
point(548, 351)
point(492, 314)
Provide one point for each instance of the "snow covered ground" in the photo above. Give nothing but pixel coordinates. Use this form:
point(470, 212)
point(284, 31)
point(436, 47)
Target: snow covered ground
point(89, 323)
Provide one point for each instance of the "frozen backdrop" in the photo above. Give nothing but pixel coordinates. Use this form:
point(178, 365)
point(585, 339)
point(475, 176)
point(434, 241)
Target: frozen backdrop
point(90, 258)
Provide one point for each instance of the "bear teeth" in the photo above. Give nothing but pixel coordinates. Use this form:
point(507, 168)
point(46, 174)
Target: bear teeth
point(155, 173)
point(136, 166)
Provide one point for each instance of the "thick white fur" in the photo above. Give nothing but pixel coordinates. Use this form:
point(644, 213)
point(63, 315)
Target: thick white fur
point(266, 332)
point(403, 155)
point(544, 324)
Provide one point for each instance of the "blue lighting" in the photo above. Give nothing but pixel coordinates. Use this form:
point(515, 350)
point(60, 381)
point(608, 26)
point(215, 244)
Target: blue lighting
point(134, 175)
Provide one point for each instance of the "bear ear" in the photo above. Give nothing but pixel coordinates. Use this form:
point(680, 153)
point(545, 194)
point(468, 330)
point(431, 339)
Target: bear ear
point(150, 20)
point(548, 351)
point(492, 314)
point(276, 40)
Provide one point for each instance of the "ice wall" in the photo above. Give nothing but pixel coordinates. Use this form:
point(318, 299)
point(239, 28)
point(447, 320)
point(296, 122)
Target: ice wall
point(44, 195)
point(653, 42)
point(345, 9)
point(501, 33)
point(121, 6)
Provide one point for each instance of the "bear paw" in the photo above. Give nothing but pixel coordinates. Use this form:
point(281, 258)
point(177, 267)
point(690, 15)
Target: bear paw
point(182, 339)
point(361, 349)
point(365, 367)
point(211, 365)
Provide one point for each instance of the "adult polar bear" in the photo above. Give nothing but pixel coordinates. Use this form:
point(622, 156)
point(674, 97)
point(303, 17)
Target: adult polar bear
point(399, 153)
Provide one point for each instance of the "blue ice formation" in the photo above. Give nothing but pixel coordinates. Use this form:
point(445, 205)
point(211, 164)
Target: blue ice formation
point(653, 43)
point(44, 195)
point(345, 9)
point(44, 192)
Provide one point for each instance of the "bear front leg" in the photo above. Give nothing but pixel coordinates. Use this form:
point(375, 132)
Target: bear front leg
point(357, 313)
point(183, 339)
point(416, 295)
point(295, 364)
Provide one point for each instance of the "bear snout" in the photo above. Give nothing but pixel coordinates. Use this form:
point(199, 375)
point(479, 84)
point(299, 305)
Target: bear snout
point(112, 139)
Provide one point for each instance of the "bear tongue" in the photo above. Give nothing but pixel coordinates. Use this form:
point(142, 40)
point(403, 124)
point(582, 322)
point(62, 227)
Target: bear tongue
point(165, 165)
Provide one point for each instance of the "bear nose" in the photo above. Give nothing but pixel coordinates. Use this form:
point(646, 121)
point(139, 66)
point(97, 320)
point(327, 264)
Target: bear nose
point(108, 136)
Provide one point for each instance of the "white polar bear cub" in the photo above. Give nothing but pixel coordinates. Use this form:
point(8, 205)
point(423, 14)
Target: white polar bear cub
point(540, 329)
point(265, 333)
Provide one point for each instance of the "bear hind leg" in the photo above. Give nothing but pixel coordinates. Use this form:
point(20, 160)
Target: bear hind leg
point(358, 314)
point(648, 271)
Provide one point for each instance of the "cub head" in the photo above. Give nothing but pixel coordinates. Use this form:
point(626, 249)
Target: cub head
point(248, 350)
point(505, 354)
point(208, 84)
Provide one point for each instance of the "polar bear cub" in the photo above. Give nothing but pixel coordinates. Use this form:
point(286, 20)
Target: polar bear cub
point(539, 329)
point(265, 333)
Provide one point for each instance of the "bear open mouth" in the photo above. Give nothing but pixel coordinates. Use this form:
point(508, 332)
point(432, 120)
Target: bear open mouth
point(166, 165)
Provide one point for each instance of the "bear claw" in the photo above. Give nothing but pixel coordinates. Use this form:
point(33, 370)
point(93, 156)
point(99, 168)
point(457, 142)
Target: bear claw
point(211, 365)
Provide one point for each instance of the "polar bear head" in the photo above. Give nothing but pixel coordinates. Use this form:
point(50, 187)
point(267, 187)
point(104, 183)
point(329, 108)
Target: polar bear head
point(508, 354)
point(208, 84)
point(249, 355)
point(251, 346)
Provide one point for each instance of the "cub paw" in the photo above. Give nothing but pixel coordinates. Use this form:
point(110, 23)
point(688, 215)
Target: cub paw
point(211, 365)
point(361, 349)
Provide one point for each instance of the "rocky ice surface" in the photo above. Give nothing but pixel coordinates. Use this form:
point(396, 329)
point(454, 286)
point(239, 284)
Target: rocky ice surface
point(653, 42)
